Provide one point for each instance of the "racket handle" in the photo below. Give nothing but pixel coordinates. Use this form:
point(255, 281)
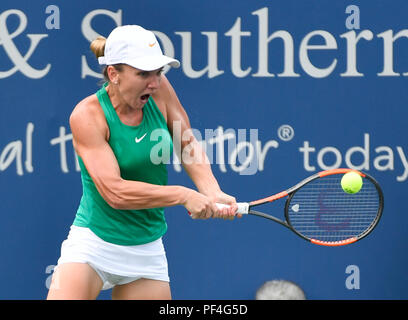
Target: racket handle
point(243, 207)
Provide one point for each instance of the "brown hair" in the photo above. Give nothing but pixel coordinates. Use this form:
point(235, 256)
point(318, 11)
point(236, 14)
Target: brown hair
point(98, 48)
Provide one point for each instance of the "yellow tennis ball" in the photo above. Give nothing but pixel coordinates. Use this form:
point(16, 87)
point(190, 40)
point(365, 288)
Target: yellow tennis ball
point(351, 182)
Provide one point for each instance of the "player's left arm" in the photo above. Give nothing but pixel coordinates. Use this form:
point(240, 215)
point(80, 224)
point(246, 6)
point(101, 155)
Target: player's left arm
point(189, 150)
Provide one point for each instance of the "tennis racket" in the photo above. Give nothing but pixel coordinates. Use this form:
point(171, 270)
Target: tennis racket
point(318, 210)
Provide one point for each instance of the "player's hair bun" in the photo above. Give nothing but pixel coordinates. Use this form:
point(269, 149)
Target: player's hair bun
point(98, 46)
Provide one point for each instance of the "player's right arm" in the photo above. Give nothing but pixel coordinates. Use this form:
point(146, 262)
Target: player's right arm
point(90, 135)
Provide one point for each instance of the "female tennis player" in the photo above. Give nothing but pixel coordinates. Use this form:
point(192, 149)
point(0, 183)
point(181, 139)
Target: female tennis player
point(123, 137)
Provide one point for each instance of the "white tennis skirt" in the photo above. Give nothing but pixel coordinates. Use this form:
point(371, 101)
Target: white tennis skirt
point(115, 264)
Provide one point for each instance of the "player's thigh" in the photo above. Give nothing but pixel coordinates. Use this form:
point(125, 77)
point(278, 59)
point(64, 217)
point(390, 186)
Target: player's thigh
point(77, 281)
point(142, 289)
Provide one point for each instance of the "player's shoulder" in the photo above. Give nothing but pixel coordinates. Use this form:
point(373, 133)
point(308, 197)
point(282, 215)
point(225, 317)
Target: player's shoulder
point(162, 96)
point(87, 109)
point(164, 91)
point(88, 114)
point(167, 96)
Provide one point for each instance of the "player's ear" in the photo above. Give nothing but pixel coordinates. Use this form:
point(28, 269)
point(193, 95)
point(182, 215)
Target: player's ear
point(113, 74)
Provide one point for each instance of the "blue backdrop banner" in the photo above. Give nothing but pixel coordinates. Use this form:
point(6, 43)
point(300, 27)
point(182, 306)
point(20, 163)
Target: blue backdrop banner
point(275, 91)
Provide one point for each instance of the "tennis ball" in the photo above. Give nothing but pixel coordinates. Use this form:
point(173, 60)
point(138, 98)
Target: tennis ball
point(351, 182)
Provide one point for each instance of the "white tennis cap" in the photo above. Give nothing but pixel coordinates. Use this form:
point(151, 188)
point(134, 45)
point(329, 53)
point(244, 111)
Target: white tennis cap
point(137, 47)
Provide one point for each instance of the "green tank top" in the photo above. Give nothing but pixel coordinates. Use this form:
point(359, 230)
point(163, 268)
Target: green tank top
point(142, 153)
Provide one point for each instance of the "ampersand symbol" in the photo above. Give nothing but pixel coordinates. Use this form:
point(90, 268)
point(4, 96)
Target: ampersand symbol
point(19, 60)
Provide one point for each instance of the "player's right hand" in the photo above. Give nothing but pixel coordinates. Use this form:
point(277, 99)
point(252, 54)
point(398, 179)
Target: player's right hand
point(199, 206)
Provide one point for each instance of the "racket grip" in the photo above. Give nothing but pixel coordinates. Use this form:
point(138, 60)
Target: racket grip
point(243, 207)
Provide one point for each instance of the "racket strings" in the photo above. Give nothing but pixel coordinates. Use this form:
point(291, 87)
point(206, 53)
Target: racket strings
point(321, 210)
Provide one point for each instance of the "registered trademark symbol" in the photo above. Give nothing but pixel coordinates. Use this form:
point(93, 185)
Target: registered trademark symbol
point(286, 132)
